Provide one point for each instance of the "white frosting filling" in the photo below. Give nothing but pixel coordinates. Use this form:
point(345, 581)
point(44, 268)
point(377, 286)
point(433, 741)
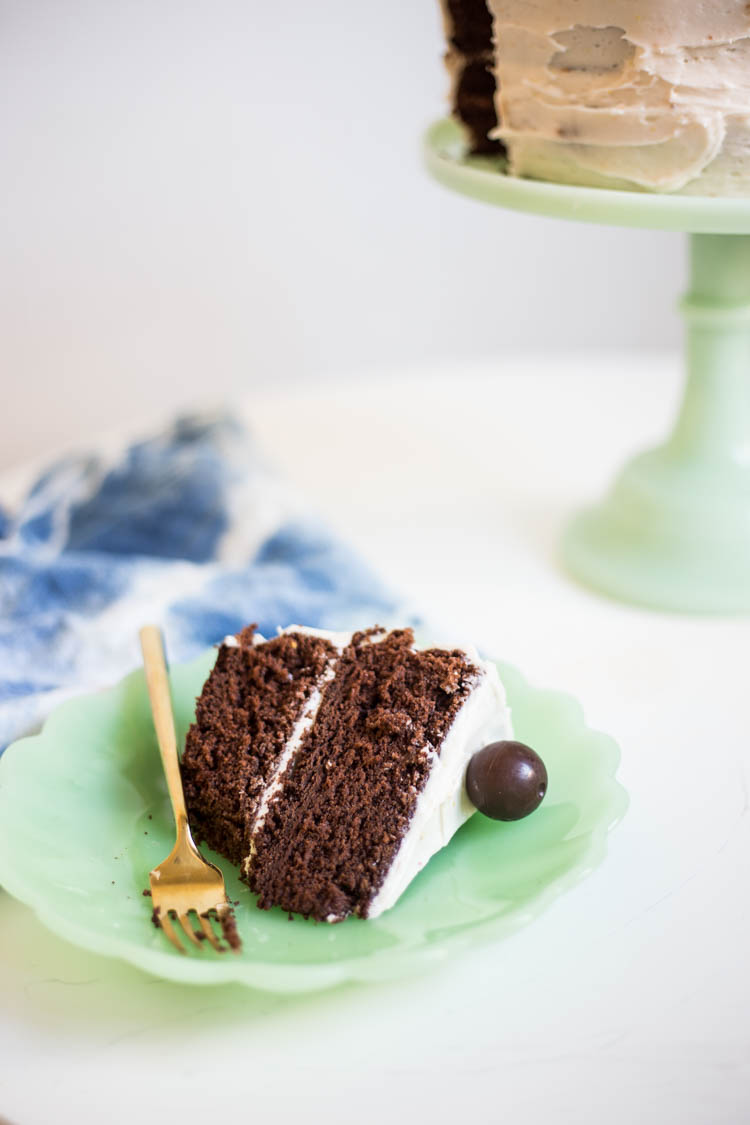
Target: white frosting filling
point(442, 806)
point(301, 727)
point(652, 93)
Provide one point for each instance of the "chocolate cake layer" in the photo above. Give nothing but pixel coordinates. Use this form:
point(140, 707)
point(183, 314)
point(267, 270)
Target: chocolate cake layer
point(474, 104)
point(470, 61)
point(331, 832)
point(245, 717)
point(471, 26)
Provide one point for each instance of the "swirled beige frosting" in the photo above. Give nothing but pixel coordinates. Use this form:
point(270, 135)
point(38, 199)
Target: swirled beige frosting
point(652, 94)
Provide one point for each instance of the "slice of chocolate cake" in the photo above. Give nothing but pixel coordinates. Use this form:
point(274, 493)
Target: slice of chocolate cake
point(330, 767)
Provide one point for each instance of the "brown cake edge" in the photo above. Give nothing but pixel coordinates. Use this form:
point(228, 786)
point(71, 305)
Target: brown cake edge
point(471, 65)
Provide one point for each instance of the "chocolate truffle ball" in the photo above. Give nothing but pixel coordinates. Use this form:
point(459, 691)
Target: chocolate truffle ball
point(506, 780)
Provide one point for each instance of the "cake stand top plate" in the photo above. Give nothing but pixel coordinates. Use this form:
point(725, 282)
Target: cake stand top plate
point(482, 178)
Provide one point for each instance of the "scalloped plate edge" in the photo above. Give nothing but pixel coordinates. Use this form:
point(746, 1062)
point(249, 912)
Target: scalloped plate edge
point(275, 977)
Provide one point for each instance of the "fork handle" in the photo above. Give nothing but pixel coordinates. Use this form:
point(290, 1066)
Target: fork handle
point(157, 680)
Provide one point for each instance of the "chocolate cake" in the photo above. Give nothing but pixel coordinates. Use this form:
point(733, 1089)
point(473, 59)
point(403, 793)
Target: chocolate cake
point(645, 94)
point(330, 767)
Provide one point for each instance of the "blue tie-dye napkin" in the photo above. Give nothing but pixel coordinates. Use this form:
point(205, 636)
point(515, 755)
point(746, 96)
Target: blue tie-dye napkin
point(190, 530)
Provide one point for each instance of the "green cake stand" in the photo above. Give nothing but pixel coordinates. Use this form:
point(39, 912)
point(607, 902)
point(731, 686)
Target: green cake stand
point(673, 533)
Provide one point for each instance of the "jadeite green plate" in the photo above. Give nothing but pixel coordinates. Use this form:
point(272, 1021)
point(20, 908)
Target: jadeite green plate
point(84, 816)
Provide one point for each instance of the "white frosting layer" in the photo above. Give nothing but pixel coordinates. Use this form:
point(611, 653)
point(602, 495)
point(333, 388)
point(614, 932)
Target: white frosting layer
point(301, 727)
point(646, 93)
point(442, 806)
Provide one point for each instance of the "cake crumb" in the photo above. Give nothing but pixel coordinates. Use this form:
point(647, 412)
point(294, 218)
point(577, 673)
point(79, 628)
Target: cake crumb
point(229, 930)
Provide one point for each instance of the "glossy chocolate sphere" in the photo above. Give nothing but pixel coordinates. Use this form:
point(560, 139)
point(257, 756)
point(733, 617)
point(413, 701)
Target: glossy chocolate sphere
point(506, 780)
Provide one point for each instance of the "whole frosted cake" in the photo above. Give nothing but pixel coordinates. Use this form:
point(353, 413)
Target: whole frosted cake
point(638, 94)
point(330, 767)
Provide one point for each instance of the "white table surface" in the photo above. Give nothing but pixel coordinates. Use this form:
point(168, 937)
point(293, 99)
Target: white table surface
point(628, 999)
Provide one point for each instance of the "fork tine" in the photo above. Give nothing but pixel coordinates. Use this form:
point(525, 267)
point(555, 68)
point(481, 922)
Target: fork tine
point(208, 930)
point(187, 927)
point(166, 924)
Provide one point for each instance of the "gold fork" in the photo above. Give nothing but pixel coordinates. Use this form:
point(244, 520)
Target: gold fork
point(185, 882)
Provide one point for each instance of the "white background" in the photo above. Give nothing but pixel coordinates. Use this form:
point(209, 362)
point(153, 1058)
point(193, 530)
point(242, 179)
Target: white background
point(199, 199)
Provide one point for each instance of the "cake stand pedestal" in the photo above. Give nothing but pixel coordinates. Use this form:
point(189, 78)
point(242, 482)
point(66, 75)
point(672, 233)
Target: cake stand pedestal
point(673, 533)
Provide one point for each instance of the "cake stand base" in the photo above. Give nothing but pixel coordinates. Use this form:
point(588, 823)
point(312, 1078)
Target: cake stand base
point(661, 539)
point(674, 532)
